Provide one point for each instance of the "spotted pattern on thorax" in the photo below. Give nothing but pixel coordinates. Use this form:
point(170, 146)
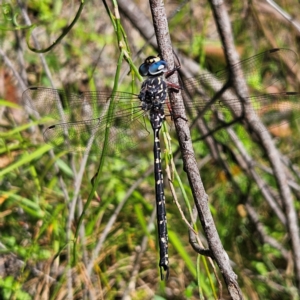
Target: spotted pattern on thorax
point(153, 93)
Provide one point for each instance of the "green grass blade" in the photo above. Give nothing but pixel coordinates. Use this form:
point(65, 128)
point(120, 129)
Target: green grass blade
point(31, 207)
point(26, 159)
point(176, 242)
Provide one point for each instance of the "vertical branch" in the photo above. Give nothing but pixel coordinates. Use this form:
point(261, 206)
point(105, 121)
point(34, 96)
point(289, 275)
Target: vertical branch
point(190, 164)
point(238, 82)
point(161, 29)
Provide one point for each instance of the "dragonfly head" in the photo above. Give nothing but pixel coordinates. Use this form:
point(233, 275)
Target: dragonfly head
point(153, 66)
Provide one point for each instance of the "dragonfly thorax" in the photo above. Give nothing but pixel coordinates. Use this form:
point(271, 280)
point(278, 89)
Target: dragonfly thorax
point(153, 93)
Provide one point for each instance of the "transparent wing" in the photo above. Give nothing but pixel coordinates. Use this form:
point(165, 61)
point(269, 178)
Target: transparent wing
point(67, 106)
point(277, 112)
point(89, 116)
point(269, 68)
point(274, 65)
point(96, 118)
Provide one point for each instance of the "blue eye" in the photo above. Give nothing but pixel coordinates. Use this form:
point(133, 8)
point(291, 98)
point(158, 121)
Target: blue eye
point(144, 69)
point(158, 67)
point(153, 66)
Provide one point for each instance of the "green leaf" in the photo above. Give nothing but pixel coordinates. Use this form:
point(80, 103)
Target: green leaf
point(28, 205)
point(176, 242)
point(26, 158)
point(9, 104)
point(64, 167)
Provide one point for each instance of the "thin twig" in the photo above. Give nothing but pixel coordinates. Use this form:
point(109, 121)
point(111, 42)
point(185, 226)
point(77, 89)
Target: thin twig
point(284, 14)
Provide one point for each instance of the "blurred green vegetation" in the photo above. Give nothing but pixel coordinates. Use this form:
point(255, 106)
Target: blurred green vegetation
point(37, 186)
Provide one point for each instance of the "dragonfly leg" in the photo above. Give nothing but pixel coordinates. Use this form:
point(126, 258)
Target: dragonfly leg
point(174, 87)
point(171, 72)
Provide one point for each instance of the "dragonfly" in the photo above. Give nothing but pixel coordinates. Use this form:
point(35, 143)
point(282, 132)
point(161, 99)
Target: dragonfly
point(118, 119)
